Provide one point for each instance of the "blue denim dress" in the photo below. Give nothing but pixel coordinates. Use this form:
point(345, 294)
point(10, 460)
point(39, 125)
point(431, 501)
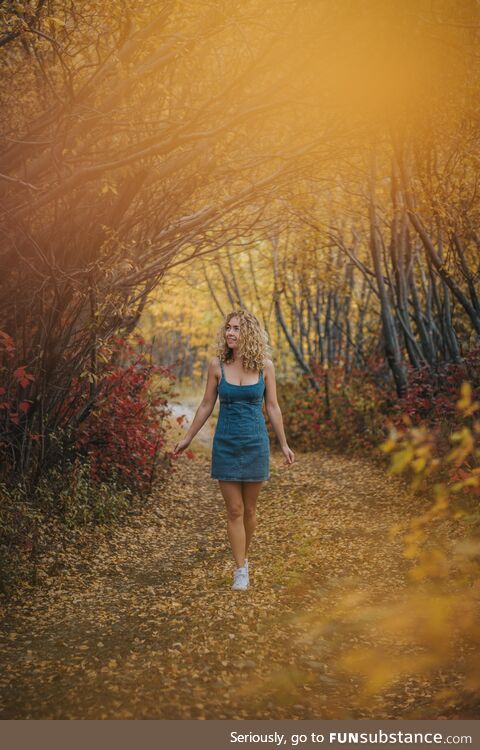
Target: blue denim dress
point(241, 447)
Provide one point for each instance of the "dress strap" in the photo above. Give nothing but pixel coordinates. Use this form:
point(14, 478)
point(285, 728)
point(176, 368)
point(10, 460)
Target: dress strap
point(221, 366)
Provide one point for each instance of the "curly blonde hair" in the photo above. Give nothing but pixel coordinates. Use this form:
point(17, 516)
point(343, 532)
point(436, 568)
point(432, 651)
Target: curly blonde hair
point(253, 341)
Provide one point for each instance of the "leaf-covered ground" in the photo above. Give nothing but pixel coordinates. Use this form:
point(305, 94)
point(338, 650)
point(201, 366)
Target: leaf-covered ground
point(143, 622)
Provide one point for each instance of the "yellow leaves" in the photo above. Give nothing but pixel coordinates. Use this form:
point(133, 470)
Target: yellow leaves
point(411, 551)
point(107, 668)
point(55, 20)
point(467, 549)
point(466, 441)
point(465, 403)
point(377, 672)
point(388, 445)
point(461, 435)
point(282, 684)
point(394, 530)
point(419, 464)
point(413, 450)
point(435, 620)
point(432, 564)
point(379, 668)
point(90, 376)
point(109, 187)
point(422, 623)
point(204, 648)
point(465, 396)
point(440, 492)
point(472, 681)
point(471, 481)
point(402, 459)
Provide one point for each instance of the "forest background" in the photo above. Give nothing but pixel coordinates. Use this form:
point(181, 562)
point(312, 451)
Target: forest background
point(165, 163)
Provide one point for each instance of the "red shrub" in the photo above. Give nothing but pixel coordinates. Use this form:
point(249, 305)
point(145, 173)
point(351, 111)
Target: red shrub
point(124, 433)
point(14, 383)
point(432, 395)
point(350, 414)
point(343, 414)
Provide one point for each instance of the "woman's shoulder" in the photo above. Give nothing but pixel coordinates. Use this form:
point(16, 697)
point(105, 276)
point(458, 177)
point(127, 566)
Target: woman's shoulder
point(268, 370)
point(214, 369)
point(214, 364)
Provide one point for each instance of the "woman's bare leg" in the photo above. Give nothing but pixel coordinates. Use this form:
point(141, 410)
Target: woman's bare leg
point(232, 494)
point(250, 492)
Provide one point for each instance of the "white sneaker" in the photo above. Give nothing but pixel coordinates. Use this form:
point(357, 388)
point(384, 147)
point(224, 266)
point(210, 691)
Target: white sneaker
point(240, 579)
point(245, 565)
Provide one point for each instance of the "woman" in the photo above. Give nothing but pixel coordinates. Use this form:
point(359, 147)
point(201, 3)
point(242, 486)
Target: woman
point(242, 375)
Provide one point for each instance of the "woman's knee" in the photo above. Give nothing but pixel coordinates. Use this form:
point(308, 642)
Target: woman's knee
point(235, 511)
point(249, 514)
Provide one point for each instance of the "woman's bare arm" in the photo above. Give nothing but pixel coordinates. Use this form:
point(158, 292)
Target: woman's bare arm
point(273, 409)
point(207, 404)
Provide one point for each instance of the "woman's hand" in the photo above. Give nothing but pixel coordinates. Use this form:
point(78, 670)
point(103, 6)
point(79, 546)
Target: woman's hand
point(180, 446)
point(289, 454)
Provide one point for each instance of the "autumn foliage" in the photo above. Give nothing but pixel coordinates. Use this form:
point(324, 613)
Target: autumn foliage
point(115, 417)
point(433, 392)
point(124, 434)
point(106, 453)
point(436, 618)
point(351, 411)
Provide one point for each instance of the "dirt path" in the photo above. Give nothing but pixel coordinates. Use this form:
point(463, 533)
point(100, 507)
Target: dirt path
point(148, 627)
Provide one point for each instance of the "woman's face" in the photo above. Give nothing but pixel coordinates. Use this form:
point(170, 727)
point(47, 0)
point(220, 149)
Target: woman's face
point(232, 332)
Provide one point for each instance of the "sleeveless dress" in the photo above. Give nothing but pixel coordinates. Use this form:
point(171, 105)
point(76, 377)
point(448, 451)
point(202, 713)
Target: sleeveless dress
point(241, 447)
